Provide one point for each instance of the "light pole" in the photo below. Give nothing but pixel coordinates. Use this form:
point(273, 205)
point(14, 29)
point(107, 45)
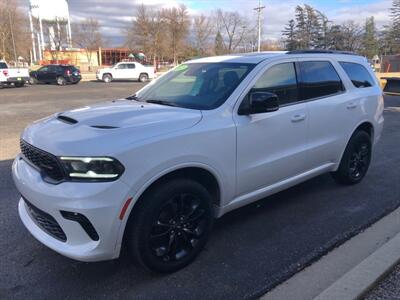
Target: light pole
point(259, 9)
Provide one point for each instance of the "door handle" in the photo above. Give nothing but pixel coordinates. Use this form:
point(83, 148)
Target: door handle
point(298, 118)
point(351, 105)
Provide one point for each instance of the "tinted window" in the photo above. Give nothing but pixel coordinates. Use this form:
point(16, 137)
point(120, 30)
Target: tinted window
point(318, 79)
point(280, 80)
point(52, 68)
point(131, 66)
point(3, 65)
point(44, 69)
point(197, 85)
point(358, 74)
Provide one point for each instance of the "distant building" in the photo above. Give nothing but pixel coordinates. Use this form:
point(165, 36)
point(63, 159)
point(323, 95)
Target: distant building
point(79, 57)
point(390, 63)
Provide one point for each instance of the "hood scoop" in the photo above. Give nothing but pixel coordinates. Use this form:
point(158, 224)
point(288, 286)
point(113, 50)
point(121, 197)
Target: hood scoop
point(66, 119)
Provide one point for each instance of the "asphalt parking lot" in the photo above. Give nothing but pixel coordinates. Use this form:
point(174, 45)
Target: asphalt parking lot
point(251, 249)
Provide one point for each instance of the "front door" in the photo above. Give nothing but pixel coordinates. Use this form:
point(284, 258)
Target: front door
point(271, 147)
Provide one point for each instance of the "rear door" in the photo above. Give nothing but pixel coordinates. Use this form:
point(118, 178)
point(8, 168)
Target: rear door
point(332, 110)
point(52, 73)
point(132, 71)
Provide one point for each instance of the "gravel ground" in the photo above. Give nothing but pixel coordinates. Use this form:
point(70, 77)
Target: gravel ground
point(388, 288)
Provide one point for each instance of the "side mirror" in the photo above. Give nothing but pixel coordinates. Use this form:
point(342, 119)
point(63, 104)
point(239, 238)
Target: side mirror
point(260, 102)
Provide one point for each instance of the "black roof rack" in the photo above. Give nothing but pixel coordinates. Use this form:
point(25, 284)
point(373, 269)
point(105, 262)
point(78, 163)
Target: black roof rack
point(317, 51)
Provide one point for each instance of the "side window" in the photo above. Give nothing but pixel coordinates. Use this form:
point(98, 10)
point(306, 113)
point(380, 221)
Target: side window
point(131, 66)
point(281, 80)
point(44, 69)
point(318, 79)
point(121, 66)
point(358, 74)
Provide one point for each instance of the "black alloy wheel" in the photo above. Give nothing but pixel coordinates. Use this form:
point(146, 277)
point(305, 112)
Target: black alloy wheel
point(356, 159)
point(359, 161)
point(178, 228)
point(170, 225)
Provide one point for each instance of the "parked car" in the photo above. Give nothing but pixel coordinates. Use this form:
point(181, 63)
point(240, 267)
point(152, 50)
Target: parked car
point(126, 71)
point(15, 76)
point(60, 74)
point(152, 171)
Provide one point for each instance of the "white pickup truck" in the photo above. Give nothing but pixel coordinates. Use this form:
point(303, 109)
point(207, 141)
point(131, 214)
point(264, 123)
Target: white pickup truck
point(16, 76)
point(126, 71)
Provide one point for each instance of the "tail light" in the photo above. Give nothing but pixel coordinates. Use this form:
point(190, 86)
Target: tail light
point(5, 72)
point(68, 72)
point(155, 70)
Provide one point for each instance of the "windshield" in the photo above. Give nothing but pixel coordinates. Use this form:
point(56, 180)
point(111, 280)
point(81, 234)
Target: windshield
point(197, 85)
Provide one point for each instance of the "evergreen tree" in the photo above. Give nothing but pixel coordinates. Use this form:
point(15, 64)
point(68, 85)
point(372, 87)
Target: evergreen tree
point(370, 42)
point(290, 36)
point(219, 44)
point(301, 28)
point(394, 33)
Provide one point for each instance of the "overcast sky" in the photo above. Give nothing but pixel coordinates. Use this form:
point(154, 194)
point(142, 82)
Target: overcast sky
point(114, 16)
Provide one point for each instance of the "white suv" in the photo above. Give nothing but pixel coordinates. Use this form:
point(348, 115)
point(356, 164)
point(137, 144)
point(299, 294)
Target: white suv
point(126, 71)
point(153, 170)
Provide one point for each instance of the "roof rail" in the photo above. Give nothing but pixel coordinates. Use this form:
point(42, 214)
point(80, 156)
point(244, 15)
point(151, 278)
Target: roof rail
point(319, 51)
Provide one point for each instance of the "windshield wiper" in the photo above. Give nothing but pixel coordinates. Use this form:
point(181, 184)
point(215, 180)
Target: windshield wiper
point(162, 102)
point(133, 97)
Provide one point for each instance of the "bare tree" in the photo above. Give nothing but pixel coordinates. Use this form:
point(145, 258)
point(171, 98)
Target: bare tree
point(88, 37)
point(177, 23)
point(147, 32)
point(13, 24)
point(232, 27)
point(203, 27)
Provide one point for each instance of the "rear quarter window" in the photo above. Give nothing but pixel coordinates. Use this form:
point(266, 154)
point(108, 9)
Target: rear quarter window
point(358, 74)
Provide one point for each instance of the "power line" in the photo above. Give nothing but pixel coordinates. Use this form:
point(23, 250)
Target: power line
point(259, 9)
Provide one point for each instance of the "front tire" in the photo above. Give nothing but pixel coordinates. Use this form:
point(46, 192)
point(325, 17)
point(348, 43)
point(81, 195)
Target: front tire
point(170, 226)
point(32, 80)
point(356, 159)
point(61, 81)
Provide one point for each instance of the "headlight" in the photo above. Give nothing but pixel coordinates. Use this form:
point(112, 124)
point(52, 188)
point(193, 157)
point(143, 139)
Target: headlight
point(92, 168)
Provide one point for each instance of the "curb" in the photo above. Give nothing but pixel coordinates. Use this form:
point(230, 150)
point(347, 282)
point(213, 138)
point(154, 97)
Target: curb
point(365, 275)
point(351, 269)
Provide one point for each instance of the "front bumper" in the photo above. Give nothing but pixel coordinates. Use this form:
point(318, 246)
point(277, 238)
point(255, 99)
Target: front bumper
point(100, 203)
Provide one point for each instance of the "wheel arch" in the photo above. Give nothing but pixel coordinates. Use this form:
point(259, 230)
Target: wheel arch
point(199, 172)
point(365, 126)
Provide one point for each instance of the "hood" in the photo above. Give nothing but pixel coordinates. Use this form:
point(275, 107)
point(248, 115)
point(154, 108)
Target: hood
point(106, 128)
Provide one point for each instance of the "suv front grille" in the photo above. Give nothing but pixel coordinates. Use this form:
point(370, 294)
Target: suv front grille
point(46, 162)
point(46, 222)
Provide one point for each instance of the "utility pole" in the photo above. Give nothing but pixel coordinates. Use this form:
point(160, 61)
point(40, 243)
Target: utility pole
point(259, 9)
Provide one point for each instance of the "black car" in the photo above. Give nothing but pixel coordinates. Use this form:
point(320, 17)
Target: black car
point(60, 74)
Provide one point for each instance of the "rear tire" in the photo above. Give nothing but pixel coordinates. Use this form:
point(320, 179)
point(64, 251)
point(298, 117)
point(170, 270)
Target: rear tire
point(107, 78)
point(170, 225)
point(143, 77)
point(61, 81)
point(356, 159)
